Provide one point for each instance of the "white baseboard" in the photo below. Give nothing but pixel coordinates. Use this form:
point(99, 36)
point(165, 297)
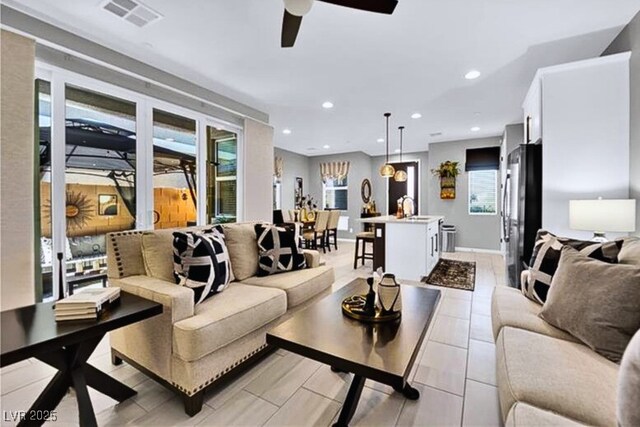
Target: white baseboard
point(479, 250)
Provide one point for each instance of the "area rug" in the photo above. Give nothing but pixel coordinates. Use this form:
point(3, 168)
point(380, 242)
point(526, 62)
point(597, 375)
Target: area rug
point(453, 274)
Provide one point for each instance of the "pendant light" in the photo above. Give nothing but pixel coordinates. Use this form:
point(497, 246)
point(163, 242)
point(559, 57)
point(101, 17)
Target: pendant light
point(401, 175)
point(387, 170)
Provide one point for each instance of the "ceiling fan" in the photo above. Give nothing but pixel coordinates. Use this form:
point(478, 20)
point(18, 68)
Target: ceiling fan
point(294, 10)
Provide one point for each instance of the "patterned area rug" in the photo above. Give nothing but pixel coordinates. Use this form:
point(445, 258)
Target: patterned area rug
point(453, 274)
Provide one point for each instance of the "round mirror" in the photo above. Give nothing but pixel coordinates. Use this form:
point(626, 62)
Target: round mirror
point(365, 190)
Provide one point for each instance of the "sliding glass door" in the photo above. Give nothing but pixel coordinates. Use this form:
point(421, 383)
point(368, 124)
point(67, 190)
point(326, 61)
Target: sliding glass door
point(174, 170)
point(113, 160)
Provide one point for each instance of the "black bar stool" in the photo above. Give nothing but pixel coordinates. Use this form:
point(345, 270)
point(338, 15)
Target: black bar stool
point(364, 237)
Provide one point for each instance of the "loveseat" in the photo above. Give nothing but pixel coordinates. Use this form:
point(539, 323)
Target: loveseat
point(547, 377)
point(190, 347)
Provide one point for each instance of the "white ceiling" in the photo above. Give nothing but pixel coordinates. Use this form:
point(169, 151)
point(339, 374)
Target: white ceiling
point(366, 64)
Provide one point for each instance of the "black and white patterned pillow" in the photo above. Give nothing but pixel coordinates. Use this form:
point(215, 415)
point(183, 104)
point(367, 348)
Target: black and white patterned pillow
point(201, 262)
point(546, 256)
point(279, 249)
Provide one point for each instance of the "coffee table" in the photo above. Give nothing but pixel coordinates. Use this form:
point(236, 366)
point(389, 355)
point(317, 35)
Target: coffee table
point(33, 332)
point(382, 352)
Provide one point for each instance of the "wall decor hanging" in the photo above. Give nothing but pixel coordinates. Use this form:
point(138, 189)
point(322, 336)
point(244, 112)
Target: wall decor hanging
point(447, 172)
point(297, 193)
point(79, 210)
point(107, 204)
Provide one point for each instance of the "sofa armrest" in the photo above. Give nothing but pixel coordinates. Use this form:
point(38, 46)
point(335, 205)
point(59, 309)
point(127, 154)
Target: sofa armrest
point(178, 299)
point(312, 258)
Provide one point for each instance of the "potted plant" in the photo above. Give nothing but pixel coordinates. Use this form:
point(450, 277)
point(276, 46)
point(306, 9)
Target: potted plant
point(447, 172)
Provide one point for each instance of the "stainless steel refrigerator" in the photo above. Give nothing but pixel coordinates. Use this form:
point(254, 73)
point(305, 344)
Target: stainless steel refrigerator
point(521, 207)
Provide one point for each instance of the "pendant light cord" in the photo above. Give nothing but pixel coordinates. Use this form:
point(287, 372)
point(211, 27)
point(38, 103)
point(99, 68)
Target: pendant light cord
point(401, 130)
point(387, 115)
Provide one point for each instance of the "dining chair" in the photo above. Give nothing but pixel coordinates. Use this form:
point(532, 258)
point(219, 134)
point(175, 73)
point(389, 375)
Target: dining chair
point(292, 215)
point(318, 234)
point(332, 229)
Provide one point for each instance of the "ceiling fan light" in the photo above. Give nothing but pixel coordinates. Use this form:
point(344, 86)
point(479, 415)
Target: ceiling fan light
point(298, 7)
point(387, 171)
point(400, 176)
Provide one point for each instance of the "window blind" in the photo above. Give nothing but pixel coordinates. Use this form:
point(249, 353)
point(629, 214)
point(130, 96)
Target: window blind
point(483, 159)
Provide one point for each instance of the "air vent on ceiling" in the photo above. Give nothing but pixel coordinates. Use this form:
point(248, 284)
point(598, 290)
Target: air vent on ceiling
point(433, 135)
point(132, 11)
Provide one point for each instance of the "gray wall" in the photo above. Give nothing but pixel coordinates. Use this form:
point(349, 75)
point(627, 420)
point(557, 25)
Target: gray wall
point(379, 184)
point(294, 165)
point(360, 169)
point(629, 40)
point(474, 231)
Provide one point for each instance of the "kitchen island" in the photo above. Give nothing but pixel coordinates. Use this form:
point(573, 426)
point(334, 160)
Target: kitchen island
point(406, 247)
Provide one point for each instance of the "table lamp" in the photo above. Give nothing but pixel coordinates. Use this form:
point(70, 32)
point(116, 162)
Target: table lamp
point(601, 215)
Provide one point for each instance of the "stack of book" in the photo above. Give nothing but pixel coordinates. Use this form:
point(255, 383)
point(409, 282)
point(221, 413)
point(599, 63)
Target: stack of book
point(88, 304)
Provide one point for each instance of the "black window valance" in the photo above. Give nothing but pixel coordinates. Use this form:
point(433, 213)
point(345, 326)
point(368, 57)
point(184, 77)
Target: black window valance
point(482, 159)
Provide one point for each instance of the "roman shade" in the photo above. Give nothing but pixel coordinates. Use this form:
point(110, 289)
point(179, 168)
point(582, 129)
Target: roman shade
point(334, 170)
point(482, 159)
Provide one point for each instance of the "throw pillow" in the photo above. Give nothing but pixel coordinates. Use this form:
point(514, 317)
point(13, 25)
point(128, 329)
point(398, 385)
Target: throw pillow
point(630, 251)
point(279, 249)
point(595, 301)
point(241, 242)
point(629, 385)
point(201, 262)
point(546, 255)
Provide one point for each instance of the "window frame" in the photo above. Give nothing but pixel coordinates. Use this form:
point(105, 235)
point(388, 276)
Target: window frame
point(326, 188)
point(495, 192)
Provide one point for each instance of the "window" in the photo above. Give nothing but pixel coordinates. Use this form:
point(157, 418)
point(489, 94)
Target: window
point(221, 175)
point(483, 192)
point(334, 194)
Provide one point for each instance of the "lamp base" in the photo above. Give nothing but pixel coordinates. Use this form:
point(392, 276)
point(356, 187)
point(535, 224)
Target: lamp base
point(599, 237)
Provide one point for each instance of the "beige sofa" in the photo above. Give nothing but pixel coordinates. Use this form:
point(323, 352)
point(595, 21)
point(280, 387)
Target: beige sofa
point(545, 377)
point(188, 348)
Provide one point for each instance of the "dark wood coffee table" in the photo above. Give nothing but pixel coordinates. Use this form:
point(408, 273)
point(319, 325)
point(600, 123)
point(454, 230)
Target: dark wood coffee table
point(33, 332)
point(381, 352)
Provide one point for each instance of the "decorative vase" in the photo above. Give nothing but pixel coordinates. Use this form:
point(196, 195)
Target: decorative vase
point(389, 295)
point(311, 216)
point(303, 214)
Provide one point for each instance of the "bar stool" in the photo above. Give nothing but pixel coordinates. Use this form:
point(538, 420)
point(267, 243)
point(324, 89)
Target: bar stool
point(364, 237)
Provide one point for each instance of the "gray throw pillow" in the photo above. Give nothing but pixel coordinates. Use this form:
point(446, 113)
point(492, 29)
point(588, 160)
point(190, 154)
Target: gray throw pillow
point(595, 302)
point(630, 251)
point(629, 385)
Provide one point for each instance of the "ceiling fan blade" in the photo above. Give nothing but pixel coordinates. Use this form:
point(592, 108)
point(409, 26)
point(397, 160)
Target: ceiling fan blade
point(378, 6)
point(290, 28)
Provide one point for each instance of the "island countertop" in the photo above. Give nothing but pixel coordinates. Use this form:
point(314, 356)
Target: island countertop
point(416, 219)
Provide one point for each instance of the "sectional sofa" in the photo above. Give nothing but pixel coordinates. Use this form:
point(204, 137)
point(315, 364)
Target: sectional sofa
point(191, 347)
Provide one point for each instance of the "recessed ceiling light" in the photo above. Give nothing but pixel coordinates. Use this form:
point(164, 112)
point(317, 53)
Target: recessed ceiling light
point(475, 129)
point(327, 104)
point(380, 139)
point(286, 131)
point(471, 75)
point(416, 115)
point(326, 147)
point(397, 150)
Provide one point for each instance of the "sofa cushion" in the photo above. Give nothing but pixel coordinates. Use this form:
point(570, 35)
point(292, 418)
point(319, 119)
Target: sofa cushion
point(510, 308)
point(201, 262)
point(629, 385)
point(300, 285)
point(279, 249)
point(630, 251)
point(546, 256)
point(234, 313)
point(157, 252)
point(523, 415)
point(124, 254)
point(243, 249)
point(555, 375)
point(596, 302)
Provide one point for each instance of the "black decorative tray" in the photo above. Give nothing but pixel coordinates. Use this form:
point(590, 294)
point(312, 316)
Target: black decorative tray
point(353, 307)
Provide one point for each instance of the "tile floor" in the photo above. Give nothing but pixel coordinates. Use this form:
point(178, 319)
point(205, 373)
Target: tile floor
point(455, 374)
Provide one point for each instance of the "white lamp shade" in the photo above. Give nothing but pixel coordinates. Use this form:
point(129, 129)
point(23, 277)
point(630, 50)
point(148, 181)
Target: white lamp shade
point(603, 215)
